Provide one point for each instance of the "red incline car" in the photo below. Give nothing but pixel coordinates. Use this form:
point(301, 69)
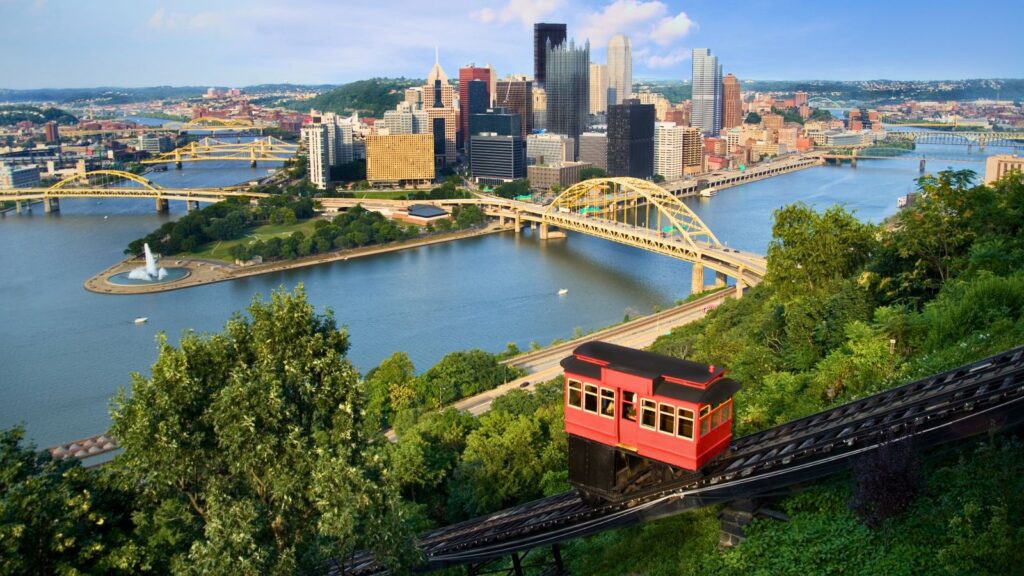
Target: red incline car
point(635, 418)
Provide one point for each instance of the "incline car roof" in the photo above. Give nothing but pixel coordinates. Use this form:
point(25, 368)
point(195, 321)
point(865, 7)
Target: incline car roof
point(656, 367)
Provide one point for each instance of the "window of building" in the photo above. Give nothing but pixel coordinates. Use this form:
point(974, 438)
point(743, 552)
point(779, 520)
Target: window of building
point(629, 406)
point(685, 424)
point(607, 402)
point(575, 394)
point(590, 398)
point(647, 413)
point(666, 419)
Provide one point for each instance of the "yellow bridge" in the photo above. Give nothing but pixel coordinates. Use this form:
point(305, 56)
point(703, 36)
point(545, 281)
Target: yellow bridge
point(118, 184)
point(209, 149)
point(629, 211)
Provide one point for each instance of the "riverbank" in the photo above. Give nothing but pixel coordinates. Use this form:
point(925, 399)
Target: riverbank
point(729, 178)
point(202, 271)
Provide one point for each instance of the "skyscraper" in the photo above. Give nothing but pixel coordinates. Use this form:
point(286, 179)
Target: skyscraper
point(477, 98)
point(568, 90)
point(439, 103)
point(598, 88)
point(707, 92)
point(732, 105)
point(620, 69)
point(543, 35)
point(631, 139)
point(516, 95)
point(668, 150)
point(693, 151)
point(315, 136)
point(467, 104)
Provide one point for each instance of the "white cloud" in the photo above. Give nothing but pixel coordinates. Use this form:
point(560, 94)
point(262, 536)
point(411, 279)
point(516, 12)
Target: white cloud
point(526, 11)
point(157, 19)
point(629, 17)
point(668, 30)
point(667, 60)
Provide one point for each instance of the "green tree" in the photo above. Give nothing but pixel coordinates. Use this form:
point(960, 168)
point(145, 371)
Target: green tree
point(752, 118)
point(59, 518)
point(389, 386)
point(256, 441)
point(592, 172)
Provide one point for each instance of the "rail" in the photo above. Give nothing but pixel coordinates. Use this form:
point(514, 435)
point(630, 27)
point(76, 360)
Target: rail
point(969, 400)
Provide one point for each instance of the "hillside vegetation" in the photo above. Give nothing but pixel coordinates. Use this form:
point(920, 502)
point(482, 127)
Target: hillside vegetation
point(368, 97)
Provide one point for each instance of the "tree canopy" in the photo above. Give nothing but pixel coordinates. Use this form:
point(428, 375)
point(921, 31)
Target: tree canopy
point(255, 442)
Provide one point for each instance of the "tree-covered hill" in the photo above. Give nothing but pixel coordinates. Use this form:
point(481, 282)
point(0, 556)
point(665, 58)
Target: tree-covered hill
point(10, 115)
point(368, 97)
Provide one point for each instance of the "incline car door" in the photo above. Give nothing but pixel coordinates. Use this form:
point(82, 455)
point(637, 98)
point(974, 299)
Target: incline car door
point(627, 420)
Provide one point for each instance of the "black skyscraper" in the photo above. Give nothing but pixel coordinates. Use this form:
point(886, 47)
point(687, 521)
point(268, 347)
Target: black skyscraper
point(568, 88)
point(542, 35)
point(631, 139)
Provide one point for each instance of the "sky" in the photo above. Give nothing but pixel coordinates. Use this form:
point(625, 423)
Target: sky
point(86, 43)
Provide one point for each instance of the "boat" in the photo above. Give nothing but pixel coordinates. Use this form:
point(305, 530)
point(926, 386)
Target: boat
point(563, 291)
point(141, 320)
point(708, 192)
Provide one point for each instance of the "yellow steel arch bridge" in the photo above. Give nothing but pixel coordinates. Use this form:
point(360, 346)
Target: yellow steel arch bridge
point(268, 149)
point(629, 211)
point(118, 184)
point(214, 124)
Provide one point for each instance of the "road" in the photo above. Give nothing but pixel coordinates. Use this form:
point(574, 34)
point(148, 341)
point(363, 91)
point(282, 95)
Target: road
point(543, 365)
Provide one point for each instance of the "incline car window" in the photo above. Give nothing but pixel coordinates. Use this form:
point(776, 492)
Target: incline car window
point(685, 429)
point(590, 398)
point(666, 419)
point(647, 415)
point(575, 394)
point(607, 402)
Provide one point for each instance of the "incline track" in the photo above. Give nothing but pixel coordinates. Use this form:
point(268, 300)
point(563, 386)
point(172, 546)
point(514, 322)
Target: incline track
point(972, 399)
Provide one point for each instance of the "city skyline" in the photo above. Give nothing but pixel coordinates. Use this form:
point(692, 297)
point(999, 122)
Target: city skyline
point(247, 43)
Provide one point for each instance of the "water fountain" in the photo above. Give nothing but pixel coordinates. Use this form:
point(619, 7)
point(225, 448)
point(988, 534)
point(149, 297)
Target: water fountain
point(148, 274)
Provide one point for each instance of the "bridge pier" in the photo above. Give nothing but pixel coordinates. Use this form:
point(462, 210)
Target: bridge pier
point(543, 231)
point(739, 284)
point(51, 205)
point(920, 167)
point(720, 279)
point(162, 205)
point(519, 224)
point(697, 279)
point(17, 206)
point(191, 205)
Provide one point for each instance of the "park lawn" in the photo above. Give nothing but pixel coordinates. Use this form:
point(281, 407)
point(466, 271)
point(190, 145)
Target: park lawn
point(219, 250)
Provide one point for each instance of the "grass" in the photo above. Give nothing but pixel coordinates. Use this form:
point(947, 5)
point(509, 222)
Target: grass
point(221, 250)
point(384, 194)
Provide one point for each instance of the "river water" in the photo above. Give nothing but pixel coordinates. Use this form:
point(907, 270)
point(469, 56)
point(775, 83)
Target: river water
point(64, 351)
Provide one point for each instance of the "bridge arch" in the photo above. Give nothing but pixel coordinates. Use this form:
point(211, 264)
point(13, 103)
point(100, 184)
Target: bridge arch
point(86, 177)
point(604, 195)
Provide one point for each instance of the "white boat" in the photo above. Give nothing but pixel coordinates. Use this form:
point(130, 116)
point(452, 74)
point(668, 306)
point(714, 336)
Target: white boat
point(563, 291)
point(708, 192)
point(141, 320)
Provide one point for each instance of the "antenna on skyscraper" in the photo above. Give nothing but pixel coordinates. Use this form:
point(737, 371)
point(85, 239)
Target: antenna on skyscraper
point(437, 55)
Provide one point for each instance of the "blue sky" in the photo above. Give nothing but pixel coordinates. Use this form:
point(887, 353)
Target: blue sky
point(81, 43)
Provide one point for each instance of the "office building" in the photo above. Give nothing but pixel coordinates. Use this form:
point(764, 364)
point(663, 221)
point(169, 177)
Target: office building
point(439, 104)
point(500, 121)
point(568, 89)
point(999, 165)
point(693, 150)
point(545, 37)
point(549, 148)
point(620, 69)
point(153, 144)
point(405, 120)
point(660, 103)
point(400, 159)
point(540, 109)
point(339, 136)
point(598, 88)
point(561, 174)
point(668, 150)
point(706, 112)
point(496, 159)
point(52, 132)
point(594, 149)
point(631, 139)
point(13, 177)
point(732, 104)
point(800, 99)
point(473, 98)
point(516, 96)
point(318, 166)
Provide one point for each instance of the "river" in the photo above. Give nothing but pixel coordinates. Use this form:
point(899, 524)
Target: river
point(64, 351)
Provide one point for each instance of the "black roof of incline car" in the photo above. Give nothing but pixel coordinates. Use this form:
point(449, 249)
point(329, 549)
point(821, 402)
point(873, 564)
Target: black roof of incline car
point(656, 367)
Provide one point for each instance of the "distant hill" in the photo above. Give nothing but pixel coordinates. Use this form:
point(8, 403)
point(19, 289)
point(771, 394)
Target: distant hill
point(369, 97)
point(10, 115)
point(864, 91)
